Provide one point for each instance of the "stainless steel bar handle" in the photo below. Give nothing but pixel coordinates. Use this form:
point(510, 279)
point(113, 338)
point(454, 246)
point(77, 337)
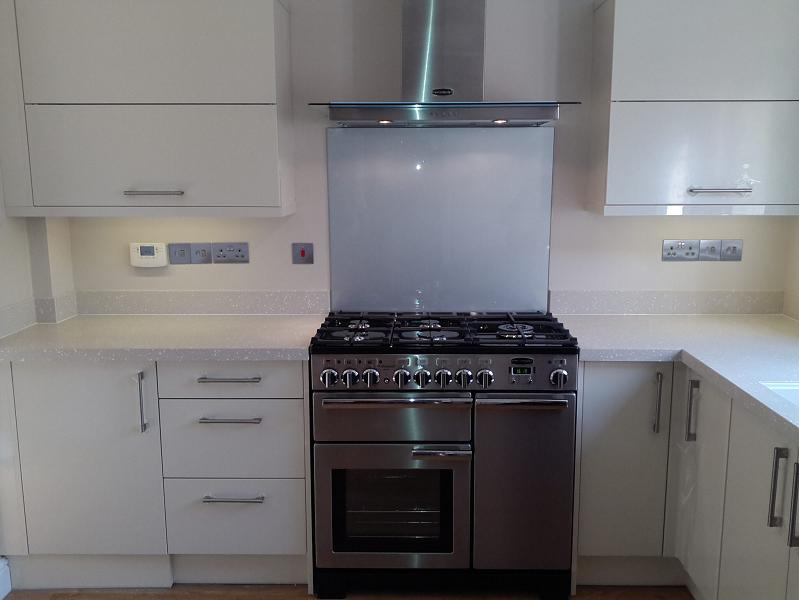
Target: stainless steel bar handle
point(697, 190)
point(658, 403)
point(205, 379)
point(153, 193)
point(793, 540)
point(230, 500)
point(690, 434)
point(779, 454)
point(142, 418)
point(431, 452)
point(534, 404)
point(212, 421)
point(355, 402)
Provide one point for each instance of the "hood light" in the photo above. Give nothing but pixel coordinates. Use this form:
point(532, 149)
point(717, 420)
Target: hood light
point(500, 121)
point(385, 122)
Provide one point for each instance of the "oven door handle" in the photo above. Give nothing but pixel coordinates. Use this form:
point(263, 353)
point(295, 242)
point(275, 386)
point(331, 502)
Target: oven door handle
point(532, 401)
point(442, 452)
point(373, 402)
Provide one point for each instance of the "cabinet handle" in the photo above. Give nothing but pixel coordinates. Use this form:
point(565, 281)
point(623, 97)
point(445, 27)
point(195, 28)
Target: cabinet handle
point(690, 434)
point(142, 418)
point(793, 540)
point(205, 379)
point(779, 454)
point(153, 193)
point(696, 190)
point(658, 403)
point(212, 421)
point(228, 500)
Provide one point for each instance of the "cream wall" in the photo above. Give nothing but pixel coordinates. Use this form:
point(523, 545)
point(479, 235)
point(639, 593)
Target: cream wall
point(792, 272)
point(17, 309)
point(348, 49)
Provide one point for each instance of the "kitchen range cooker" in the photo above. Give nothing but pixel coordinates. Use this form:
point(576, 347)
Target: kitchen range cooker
point(443, 450)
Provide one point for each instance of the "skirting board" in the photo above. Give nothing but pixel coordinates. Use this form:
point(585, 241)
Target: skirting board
point(633, 570)
point(239, 569)
point(51, 572)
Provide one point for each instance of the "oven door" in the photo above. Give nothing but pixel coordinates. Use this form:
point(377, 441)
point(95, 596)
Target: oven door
point(392, 505)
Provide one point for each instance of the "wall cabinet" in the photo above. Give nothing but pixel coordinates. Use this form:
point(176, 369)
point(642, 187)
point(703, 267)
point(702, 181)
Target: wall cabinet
point(682, 126)
point(623, 467)
point(151, 108)
point(700, 435)
point(90, 451)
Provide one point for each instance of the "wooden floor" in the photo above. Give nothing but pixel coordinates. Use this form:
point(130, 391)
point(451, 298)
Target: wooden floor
point(282, 592)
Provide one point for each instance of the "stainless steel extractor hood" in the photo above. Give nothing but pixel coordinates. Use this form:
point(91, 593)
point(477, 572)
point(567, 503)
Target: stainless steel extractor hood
point(443, 61)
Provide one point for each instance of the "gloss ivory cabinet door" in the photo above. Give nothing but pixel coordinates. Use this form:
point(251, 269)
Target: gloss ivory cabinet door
point(754, 552)
point(90, 451)
point(705, 49)
point(623, 465)
point(148, 51)
point(700, 435)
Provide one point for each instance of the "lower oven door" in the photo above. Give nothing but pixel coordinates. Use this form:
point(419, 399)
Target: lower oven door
point(392, 505)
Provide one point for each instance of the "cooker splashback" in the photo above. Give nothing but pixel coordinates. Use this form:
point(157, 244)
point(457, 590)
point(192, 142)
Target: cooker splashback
point(440, 219)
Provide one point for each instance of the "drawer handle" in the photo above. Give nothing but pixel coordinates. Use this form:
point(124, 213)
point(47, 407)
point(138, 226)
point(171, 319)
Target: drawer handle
point(690, 432)
point(696, 190)
point(779, 454)
point(658, 402)
point(205, 379)
point(212, 421)
point(229, 500)
point(153, 193)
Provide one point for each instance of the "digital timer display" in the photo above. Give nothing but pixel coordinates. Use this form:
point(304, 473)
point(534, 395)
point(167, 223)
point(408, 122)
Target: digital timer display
point(521, 370)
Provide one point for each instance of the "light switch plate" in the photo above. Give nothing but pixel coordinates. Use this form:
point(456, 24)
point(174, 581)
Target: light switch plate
point(231, 252)
point(201, 254)
point(710, 250)
point(680, 250)
point(302, 253)
point(732, 250)
point(179, 254)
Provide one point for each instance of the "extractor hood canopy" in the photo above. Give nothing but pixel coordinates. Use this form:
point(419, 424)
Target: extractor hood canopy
point(443, 60)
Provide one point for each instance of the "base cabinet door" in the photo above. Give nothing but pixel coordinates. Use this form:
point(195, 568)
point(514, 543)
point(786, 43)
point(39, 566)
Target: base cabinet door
point(623, 465)
point(755, 553)
point(700, 433)
point(90, 451)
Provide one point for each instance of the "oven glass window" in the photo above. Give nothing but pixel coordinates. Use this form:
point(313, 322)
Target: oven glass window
point(392, 510)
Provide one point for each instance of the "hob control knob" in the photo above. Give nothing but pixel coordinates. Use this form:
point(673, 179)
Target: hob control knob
point(443, 377)
point(402, 377)
point(328, 377)
point(464, 377)
point(371, 377)
point(422, 377)
point(559, 378)
point(350, 377)
point(485, 377)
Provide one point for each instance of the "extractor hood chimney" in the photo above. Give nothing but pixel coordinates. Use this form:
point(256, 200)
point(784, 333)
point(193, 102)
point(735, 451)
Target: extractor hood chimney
point(443, 62)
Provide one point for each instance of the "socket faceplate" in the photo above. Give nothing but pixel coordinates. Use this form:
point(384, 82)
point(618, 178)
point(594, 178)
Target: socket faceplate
point(680, 250)
point(231, 252)
point(732, 250)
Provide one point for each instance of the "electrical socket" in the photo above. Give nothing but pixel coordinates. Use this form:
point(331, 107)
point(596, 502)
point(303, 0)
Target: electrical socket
point(231, 252)
point(680, 250)
point(201, 254)
point(732, 250)
point(709, 249)
point(179, 254)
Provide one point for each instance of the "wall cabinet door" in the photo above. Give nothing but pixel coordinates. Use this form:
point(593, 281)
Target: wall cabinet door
point(91, 475)
point(625, 444)
point(159, 156)
point(700, 436)
point(705, 50)
point(147, 51)
point(754, 553)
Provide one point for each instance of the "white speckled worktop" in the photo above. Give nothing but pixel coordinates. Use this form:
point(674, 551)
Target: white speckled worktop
point(173, 337)
point(734, 352)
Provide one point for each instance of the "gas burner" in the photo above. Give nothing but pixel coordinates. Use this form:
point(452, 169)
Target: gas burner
point(430, 324)
point(515, 331)
point(359, 324)
point(430, 336)
point(358, 336)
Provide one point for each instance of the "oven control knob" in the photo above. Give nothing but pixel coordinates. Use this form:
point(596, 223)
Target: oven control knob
point(402, 377)
point(329, 377)
point(422, 377)
point(559, 378)
point(443, 377)
point(371, 377)
point(464, 377)
point(485, 377)
point(350, 377)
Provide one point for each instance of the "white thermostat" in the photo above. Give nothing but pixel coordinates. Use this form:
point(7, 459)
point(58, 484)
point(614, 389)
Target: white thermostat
point(148, 254)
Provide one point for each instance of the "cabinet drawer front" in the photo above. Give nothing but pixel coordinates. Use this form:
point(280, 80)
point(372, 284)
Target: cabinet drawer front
point(122, 156)
point(147, 51)
point(658, 151)
point(232, 438)
point(272, 379)
point(235, 516)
